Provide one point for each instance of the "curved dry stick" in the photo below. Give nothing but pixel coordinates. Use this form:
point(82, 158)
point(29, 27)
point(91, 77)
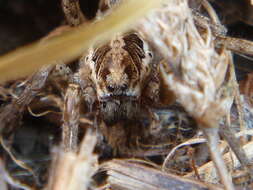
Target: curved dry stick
point(187, 143)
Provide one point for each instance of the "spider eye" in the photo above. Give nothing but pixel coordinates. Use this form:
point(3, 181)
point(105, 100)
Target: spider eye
point(123, 87)
point(110, 88)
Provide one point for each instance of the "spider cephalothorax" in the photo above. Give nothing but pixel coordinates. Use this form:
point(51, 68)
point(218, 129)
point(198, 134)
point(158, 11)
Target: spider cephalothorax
point(119, 71)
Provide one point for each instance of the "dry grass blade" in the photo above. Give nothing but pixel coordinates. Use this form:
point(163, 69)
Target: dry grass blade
point(131, 176)
point(74, 42)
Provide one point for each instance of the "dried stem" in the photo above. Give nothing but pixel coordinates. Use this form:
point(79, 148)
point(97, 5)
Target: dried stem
point(207, 173)
point(236, 45)
point(213, 139)
point(219, 31)
point(72, 171)
point(234, 143)
point(196, 71)
point(131, 176)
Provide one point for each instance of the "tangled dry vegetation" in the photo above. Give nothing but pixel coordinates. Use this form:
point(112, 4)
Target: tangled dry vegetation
point(196, 64)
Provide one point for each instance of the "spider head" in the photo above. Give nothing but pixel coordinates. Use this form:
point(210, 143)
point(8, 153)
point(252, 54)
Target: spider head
point(119, 72)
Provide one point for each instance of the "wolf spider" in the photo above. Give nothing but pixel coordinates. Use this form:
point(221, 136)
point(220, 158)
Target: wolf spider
point(120, 81)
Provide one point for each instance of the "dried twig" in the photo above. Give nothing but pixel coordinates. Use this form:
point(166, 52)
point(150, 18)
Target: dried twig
point(73, 171)
point(219, 31)
point(208, 173)
point(131, 176)
point(187, 143)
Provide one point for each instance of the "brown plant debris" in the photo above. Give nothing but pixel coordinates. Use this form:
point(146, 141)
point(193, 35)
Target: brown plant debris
point(126, 174)
point(128, 102)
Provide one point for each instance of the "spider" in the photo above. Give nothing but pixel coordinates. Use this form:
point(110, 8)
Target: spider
point(121, 81)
